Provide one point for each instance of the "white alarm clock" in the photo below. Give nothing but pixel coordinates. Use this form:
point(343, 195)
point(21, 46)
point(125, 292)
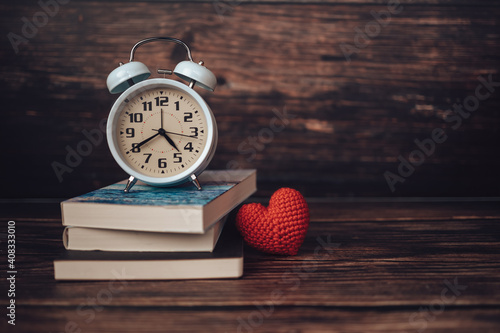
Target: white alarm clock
point(161, 131)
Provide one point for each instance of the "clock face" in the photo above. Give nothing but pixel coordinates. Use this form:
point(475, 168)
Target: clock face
point(161, 131)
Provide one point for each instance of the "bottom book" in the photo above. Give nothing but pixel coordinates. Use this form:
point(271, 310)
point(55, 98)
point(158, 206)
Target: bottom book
point(226, 261)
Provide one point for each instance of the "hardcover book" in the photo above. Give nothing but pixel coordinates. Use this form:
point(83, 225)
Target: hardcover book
point(226, 261)
point(96, 239)
point(181, 209)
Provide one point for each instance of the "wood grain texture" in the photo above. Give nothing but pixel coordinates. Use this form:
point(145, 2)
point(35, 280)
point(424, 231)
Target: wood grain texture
point(251, 319)
point(348, 122)
point(330, 210)
point(371, 276)
point(366, 264)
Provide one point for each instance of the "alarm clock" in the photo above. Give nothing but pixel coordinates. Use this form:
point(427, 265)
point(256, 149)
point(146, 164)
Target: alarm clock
point(161, 131)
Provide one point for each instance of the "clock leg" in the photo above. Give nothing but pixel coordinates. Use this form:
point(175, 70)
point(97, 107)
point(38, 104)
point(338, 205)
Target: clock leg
point(131, 182)
point(195, 181)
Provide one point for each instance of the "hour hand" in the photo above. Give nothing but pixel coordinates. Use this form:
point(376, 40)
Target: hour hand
point(161, 131)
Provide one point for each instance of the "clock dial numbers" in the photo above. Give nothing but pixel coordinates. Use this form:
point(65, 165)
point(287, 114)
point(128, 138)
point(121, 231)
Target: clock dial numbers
point(161, 132)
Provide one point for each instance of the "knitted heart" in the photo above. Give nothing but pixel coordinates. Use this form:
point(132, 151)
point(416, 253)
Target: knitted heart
point(278, 229)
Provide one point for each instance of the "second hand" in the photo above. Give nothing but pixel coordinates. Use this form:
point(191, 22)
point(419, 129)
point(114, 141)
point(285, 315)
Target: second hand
point(161, 127)
point(188, 136)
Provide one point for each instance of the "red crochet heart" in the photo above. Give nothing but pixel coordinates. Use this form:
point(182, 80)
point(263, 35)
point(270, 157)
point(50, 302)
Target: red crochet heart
point(278, 229)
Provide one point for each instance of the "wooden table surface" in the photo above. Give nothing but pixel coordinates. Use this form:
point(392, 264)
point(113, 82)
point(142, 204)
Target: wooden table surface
point(366, 266)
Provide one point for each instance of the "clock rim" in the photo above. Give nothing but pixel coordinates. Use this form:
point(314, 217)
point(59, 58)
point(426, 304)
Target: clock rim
point(197, 167)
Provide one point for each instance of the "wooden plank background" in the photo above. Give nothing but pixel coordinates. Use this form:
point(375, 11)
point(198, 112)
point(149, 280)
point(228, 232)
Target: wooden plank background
point(347, 121)
point(401, 272)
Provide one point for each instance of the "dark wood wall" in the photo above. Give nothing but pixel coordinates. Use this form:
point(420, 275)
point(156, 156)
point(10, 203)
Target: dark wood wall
point(347, 94)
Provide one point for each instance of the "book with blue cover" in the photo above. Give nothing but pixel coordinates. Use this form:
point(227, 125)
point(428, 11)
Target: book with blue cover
point(180, 209)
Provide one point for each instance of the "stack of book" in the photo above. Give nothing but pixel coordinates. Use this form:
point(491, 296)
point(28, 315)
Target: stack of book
point(155, 233)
